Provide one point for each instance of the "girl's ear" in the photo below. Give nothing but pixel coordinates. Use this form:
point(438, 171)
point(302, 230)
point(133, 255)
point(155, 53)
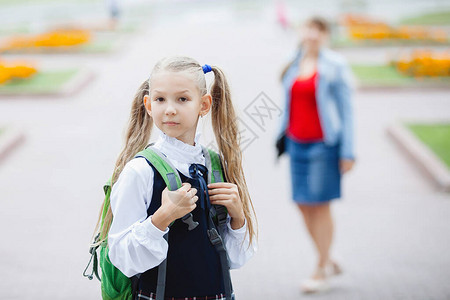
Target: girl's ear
point(148, 105)
point(205, 104)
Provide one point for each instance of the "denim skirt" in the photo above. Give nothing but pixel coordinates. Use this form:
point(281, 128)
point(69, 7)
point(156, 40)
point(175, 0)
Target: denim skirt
point(315, 174)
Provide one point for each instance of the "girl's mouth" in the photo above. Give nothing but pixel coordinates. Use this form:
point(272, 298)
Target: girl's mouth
point(170, 123)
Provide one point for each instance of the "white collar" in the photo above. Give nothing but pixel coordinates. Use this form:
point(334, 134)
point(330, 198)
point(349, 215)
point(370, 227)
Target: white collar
point(180, 151)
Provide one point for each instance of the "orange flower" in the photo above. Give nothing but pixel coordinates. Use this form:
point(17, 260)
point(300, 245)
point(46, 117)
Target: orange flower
point(55, 38)
point(11, 70)
point(423, 62)
point(360, 27)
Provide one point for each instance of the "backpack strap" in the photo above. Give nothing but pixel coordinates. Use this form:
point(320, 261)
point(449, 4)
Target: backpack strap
point(173, 181)
point(95, 245)
point(93, 260)
point(169, 174)
point(215, 174)
point(212, 160)
point(164, 167)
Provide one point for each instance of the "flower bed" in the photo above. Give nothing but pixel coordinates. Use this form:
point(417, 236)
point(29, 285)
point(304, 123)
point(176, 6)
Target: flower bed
point(47, 82)
point(420, 68)
point(362, 30)
point(422, 63)
point(51, 39)
point(60, 41)
point(15, 70)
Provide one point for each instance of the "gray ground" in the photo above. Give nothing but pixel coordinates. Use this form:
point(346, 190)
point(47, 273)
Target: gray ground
point(392, 226)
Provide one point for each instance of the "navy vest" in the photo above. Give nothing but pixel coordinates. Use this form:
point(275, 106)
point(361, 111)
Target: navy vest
point(193, 264)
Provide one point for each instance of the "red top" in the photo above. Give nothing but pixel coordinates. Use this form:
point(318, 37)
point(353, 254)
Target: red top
point(304, 123)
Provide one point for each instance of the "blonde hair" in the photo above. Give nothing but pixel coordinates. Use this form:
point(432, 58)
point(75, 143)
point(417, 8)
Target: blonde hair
point(137, 136)
point(224, 125)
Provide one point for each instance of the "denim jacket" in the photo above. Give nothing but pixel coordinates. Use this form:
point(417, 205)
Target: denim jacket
point(333, 96)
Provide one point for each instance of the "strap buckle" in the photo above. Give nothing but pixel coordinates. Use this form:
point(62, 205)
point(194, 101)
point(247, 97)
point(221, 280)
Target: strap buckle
point(93, 252)
point(221, 213)
point(214, 237)
point(94, 247)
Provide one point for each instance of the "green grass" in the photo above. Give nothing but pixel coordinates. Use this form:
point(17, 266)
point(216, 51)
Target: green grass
point(98, 46)
point(387, 76)
point(40, 83)
point(436, 18)
point(436, 137)
point(380, 75)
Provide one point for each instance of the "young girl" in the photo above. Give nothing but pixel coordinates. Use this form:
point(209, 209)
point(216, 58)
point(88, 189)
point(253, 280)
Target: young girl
point(142, 207)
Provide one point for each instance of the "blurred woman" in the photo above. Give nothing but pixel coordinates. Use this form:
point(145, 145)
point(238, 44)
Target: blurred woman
point(317, 133)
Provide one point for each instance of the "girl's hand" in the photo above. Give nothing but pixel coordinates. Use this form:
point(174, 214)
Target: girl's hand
point(346, 165)
point(174, 205)
point(227, 194)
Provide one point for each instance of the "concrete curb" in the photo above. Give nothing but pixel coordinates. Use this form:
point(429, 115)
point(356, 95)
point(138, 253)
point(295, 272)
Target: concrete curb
point(9, 140)
point(423, 157)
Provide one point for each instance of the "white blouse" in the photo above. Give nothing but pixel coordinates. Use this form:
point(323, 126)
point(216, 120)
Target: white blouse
point(135, 244)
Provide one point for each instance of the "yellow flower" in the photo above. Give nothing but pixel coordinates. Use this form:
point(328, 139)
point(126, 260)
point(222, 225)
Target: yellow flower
point(11, 70)
point(55, 38)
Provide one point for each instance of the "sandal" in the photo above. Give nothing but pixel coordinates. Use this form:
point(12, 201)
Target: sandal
point(314, 286)
point(332, 269)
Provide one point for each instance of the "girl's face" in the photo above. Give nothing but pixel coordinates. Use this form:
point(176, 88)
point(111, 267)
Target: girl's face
point(175, 104)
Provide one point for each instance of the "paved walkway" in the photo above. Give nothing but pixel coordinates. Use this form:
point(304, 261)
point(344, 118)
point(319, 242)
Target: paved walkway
point(392, 232)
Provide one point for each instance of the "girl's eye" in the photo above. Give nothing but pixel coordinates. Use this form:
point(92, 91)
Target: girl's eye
point(159, 99)
point(183, 99)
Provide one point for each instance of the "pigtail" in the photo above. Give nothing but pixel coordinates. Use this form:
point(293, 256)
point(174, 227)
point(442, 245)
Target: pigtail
point(226, 131)
point(136, 139)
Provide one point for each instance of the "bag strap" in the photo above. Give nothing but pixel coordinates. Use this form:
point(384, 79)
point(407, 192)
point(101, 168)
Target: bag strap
point(219, 245)
point(94, 246)
point(93, 260)
point(164, 167)
point(212, 161)
point(215, 174)
point(173, 181)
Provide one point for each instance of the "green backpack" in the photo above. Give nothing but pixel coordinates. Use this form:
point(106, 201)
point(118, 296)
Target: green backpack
point(114, 284)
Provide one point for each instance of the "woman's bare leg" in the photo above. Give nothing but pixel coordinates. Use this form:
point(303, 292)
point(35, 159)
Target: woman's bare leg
point(319, 223)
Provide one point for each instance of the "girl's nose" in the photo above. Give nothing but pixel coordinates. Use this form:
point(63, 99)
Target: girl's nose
point(170, 109)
